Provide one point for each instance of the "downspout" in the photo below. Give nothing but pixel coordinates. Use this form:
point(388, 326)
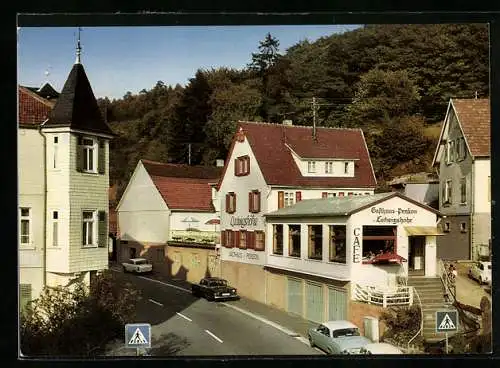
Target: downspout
point(44, 204)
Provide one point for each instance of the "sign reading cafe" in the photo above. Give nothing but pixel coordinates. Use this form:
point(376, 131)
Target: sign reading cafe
point(356, 245)
point(242, 222)
point(394, 215)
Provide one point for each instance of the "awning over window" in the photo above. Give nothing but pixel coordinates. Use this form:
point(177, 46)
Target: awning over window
point(423, 230)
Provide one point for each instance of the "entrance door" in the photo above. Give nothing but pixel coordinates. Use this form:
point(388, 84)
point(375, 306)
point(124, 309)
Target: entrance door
point(417, 254)
point(337, 305)
point(314, 302)
point(295, 296)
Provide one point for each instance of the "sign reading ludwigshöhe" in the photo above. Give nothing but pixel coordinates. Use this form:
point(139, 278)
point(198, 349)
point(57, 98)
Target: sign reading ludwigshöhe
point(242, 222)
point(394, 215)
point(446, 321)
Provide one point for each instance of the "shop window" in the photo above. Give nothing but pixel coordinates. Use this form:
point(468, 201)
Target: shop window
point(315, 241)
point(446, 227)
point(378, 240)
point(260, 243)
point(337, 243)
point(463, 227)
point(242, 166)
point(294, 240)
point(278, 239)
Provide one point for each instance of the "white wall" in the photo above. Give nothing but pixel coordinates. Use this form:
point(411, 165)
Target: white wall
point(142, 213)
point(241, 185)
point(31, 189)
point(482, 169)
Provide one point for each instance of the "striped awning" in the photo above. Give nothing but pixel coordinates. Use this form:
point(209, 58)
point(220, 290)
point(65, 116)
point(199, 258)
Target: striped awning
point(423, 230)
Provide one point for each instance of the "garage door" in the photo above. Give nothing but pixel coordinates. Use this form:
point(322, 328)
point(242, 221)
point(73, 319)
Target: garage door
point(314, 302)
point(295, 296)
point(337, 304)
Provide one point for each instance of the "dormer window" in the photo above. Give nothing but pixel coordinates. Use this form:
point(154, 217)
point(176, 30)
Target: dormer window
point(242, 166)
point(329, 167)
point(311, 166)
point(346, 167)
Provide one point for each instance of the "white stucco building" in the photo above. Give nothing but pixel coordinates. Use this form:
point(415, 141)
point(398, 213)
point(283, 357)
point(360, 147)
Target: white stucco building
point(167, 202)
point(462, 161)
point(63, 156)
point(271, 166)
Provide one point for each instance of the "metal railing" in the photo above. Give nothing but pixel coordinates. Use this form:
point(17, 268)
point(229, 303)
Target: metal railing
point(421, 329)
point(401, 295)
point(448, 282)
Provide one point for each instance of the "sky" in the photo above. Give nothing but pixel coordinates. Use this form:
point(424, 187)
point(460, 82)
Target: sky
point(122, 59)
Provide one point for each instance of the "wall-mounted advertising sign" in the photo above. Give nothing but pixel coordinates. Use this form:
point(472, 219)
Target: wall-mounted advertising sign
point(356, 245)
point(240, 255)
point(393, 216)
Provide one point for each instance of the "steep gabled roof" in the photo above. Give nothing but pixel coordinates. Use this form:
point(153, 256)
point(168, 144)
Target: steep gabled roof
point(76, 106)
point(474, 118)
point(272, 145)
point(184, 187)
point(33, 109)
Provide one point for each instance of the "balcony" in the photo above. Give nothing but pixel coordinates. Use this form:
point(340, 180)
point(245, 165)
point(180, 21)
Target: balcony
point(335, 271)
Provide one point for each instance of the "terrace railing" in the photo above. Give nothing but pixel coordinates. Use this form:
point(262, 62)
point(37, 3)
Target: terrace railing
point(400, 295)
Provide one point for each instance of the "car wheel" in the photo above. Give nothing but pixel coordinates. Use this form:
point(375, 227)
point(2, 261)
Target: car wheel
point(311, 343)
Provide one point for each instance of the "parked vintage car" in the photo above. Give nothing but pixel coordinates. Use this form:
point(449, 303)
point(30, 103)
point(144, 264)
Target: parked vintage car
point(214, 288)
point(380, 348)
point(481, 272)
point(337, 337)
point(137, 265)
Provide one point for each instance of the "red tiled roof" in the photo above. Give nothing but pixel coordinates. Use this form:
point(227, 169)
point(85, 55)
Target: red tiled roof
point(33, 109)
point(184, 187)
point(474, 118)
point(279, 168)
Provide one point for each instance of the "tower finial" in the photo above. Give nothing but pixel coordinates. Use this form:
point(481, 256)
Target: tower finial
point(78, 48)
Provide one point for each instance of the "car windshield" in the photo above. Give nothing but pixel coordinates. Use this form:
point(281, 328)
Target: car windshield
point(345, 332)
point(141, 261)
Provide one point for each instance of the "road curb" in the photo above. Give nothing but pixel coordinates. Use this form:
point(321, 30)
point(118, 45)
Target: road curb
point(268, 322)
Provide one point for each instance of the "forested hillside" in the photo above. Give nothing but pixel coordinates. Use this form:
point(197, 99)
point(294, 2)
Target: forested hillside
point(393, 81)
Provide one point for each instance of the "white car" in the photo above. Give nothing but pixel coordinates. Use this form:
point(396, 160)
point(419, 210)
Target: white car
point(380, 348)
point(137, 265)
point(337, 337)
point(481, 271)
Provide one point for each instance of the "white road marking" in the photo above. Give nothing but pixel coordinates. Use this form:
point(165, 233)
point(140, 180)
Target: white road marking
point(215, 337)
point(183, 316)
point(164, 283)
point(155, 302)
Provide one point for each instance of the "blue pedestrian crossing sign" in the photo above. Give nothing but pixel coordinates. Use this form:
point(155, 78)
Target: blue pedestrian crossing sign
point(138, 335)
point(446, 321)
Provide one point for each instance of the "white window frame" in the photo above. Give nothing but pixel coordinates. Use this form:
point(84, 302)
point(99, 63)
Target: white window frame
point(346, 167)
point(288, 199)
point(27, 218)
point(55, 229)
point(448, 191)
point(87, 150)
point(329, 167)
point(93, 221)
point(311, 166)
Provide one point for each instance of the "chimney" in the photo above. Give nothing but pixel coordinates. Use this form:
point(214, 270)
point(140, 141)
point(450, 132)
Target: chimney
point(287, 122)
point(219, 163)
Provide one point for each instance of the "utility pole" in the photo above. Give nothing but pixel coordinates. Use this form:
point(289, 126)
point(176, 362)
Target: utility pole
point(314, 117)
point(189, 154)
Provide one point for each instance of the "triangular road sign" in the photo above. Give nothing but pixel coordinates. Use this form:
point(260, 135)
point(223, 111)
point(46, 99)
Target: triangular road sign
point(447, 323)
point(137, 338)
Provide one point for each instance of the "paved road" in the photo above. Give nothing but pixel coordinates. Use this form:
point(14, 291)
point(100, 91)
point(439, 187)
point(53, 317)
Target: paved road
point(185, 325)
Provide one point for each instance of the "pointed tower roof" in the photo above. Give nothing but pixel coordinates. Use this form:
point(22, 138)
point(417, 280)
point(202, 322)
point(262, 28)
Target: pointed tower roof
point(76, 106)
